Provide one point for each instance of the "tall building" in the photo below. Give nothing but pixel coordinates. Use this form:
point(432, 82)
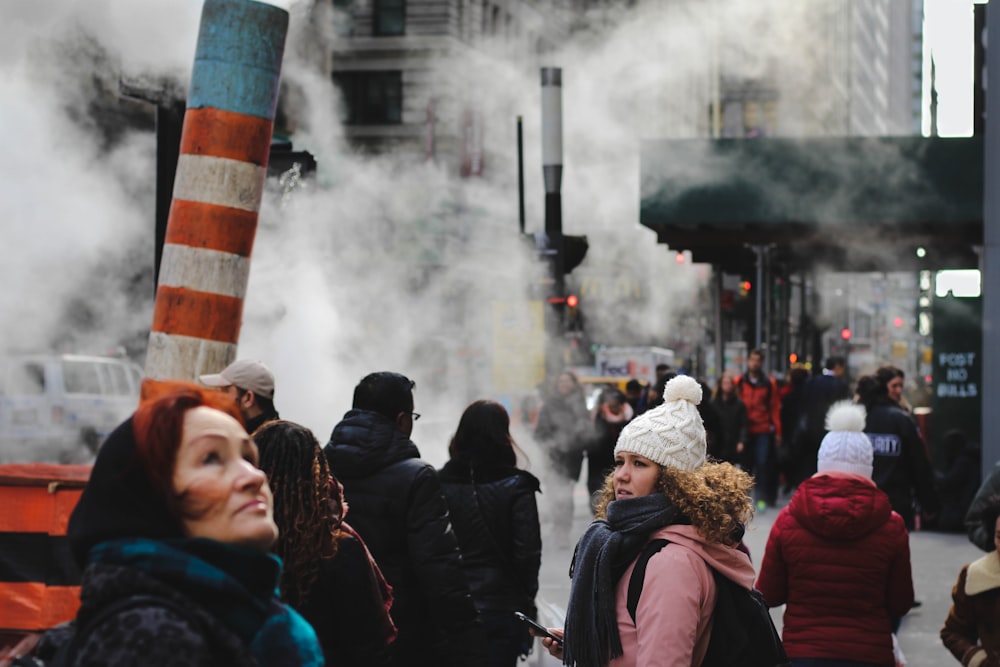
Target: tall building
point(402, 67)
point(825, 68)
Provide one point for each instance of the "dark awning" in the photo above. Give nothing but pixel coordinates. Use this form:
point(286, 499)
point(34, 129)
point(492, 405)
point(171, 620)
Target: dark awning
point(855, 202)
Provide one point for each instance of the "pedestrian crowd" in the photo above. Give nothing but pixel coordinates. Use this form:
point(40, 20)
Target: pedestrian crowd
point(213, 532)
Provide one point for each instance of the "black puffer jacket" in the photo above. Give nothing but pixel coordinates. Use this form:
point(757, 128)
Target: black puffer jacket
point(398, 508)
point(496, 521)
point(901, 467)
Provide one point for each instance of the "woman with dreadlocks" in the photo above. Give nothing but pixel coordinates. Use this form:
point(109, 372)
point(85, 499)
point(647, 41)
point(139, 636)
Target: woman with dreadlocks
point(661, 488)
point(330, 576)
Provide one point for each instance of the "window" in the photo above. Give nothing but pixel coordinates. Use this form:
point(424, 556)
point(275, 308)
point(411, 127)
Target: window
point(343, 17)
point(389, 18)
point(371, 98)
point(27, 379)
point(117, 379)
point(81, 377)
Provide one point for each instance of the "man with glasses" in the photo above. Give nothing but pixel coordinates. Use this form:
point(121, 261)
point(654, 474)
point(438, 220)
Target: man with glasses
point(399, 510)
point(251, 384)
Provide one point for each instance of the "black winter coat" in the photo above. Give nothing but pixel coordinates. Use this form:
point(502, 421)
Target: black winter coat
point(900, 467)
point(733, 418)
point(345, 608)
point(399, 510)
point(496, 521)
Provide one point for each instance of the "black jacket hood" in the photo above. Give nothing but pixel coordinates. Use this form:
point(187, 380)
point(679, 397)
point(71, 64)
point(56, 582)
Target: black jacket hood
point(365, 442)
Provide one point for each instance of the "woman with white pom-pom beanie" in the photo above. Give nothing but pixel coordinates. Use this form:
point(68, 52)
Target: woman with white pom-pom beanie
point(661, 488)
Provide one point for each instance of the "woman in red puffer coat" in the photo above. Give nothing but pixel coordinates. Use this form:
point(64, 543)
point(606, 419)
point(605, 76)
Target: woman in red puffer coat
point(838, 557)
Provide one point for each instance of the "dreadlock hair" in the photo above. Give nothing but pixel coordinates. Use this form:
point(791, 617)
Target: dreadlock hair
point(299, 476)
point(714, 496)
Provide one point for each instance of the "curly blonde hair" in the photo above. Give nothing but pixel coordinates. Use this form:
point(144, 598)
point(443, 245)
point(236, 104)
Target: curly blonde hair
point(715, 497)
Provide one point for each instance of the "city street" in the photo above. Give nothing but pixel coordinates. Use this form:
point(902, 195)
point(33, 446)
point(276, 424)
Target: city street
point(936, 558)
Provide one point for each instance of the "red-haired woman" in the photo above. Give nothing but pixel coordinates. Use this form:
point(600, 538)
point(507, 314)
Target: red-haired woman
point(173, 531)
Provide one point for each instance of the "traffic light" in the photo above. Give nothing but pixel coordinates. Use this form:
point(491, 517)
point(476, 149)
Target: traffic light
point(745, 287)
point(574, 250)
point(845, 333)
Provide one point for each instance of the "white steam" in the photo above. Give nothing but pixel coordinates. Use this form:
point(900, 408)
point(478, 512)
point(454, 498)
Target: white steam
point(379, 263)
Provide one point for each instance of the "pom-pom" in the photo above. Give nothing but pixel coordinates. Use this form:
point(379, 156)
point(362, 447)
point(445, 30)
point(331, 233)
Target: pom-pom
point(846, 416)
point(683, 387)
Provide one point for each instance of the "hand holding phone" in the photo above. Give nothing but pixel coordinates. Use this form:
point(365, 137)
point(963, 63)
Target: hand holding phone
point(541, 629)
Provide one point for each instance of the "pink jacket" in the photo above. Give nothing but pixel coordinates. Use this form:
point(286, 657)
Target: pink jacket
point(673, 620)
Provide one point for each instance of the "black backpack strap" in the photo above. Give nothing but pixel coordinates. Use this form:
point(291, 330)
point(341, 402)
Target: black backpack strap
point(638, 577)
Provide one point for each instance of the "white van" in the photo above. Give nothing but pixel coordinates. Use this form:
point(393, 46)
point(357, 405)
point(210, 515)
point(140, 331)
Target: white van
point(59, 408)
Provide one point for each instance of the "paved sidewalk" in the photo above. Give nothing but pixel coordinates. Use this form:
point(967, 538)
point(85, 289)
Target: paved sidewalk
point(936, 559)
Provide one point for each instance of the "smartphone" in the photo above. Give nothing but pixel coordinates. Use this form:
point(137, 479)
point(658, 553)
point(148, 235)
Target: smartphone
point(540, 628)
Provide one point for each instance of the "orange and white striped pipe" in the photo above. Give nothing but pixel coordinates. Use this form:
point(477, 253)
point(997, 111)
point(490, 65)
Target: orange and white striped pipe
point(225, 143)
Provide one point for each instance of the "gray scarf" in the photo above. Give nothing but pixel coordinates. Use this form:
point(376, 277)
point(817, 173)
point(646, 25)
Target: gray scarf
point(602, 555)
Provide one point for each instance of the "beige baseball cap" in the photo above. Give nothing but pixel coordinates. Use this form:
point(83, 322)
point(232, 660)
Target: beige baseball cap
point(245, 374)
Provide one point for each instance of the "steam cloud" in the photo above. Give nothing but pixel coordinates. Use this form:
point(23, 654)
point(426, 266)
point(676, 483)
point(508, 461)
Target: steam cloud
point(380, 263)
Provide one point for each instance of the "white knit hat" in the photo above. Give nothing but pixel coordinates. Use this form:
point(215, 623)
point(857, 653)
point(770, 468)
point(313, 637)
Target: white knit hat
point(846, 447)
point(671, 434)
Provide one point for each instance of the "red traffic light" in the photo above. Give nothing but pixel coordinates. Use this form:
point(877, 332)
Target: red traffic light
point(572, 301)
point(745, 285)
point(845, 333)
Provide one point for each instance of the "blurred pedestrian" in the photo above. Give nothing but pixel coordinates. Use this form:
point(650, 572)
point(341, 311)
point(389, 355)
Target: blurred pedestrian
point(633, 394)
point(495, 517)
point(759, 393)
point(979, 534)
point(329, 577)
point(958, 482)
point(712, 421)
point(251, 385)
point(653, 392)
point(838, 557)
point(894, 380)
point(610, 415)
point(399, 509)
point(733, 419)
point(972, 630)
point(792, 408)
point(661, 488)
point(564, 432)
point(901, 466)
point(819, 393)
point(173, 531)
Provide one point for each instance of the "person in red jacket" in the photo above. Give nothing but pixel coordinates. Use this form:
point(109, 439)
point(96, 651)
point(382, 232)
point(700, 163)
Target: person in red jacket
point(759, 392)
point(838, 557)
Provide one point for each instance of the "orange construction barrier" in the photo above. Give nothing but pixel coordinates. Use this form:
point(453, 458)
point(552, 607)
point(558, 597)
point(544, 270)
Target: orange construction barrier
point(39, 582)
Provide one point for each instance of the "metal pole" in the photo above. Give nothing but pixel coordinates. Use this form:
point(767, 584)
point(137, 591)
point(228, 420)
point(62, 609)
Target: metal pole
point(520, 175)
point(552, 164)
point(991, 249)
point(758, 298)
point(720, 361)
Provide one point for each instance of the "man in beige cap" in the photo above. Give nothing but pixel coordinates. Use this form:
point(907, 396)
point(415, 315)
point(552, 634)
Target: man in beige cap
point(251, 384)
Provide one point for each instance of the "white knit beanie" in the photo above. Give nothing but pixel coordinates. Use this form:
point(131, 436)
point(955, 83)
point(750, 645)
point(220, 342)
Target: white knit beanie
point(671, 434)
point(846, 447)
